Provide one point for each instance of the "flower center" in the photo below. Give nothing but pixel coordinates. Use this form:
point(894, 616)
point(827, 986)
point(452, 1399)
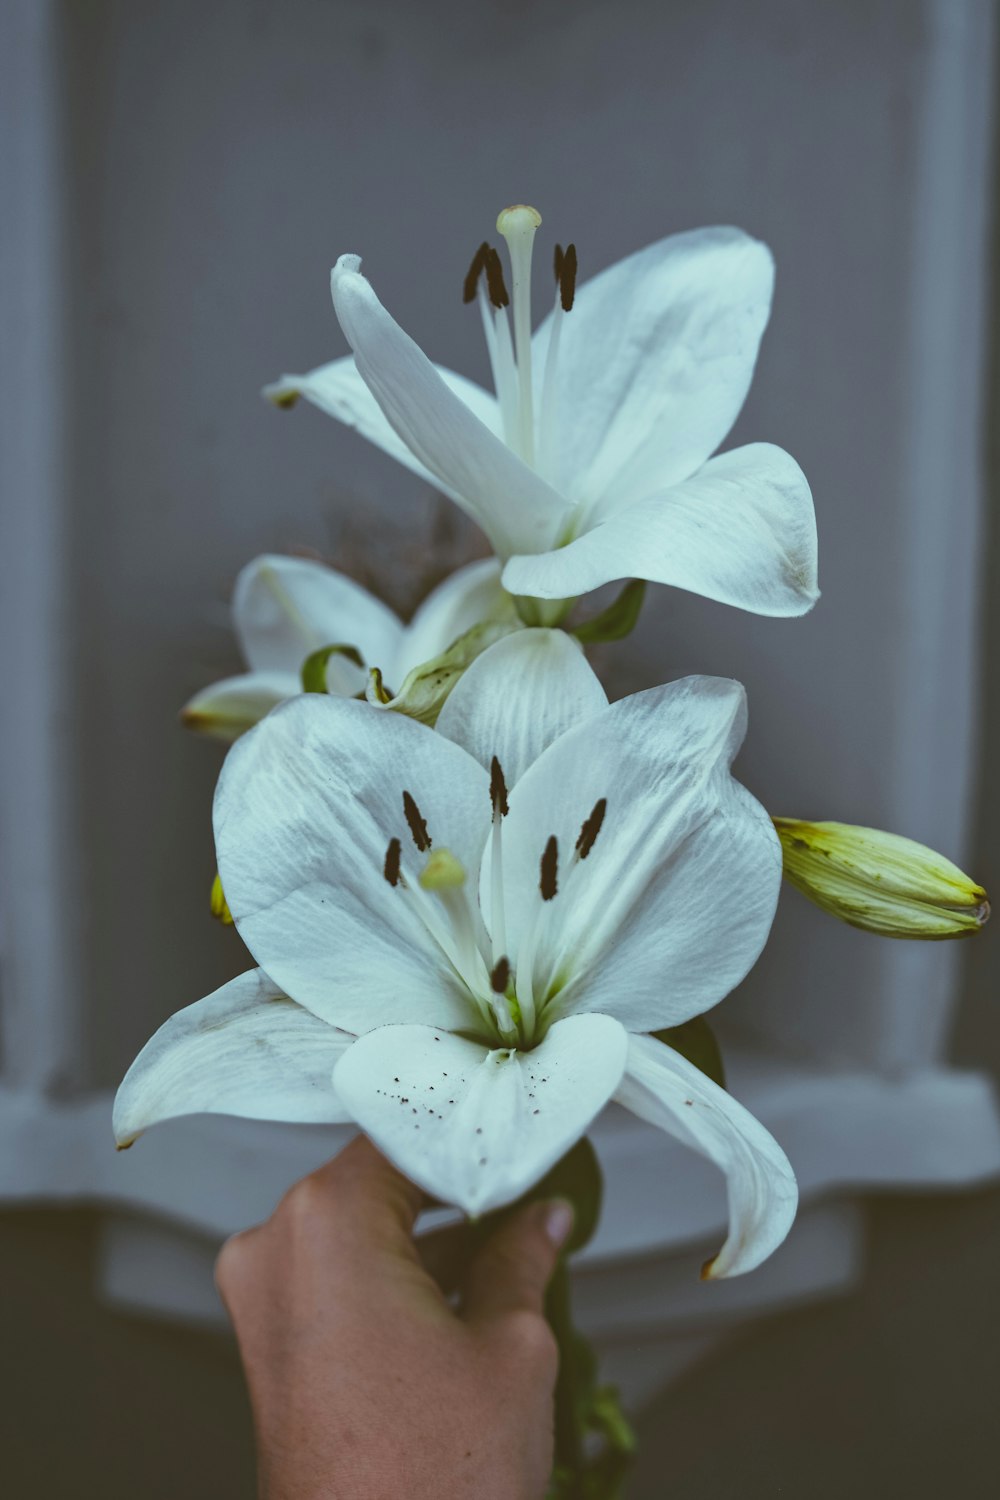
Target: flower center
point(511, 1003)
point(510, 350)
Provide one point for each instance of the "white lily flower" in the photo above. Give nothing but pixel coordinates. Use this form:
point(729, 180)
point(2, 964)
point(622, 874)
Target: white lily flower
point(478, 953)
point(285, 608)
point(593, 460)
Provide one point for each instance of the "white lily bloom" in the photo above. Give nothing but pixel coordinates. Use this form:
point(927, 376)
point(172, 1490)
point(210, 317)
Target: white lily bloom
point(285, 608)
point(593, 460)
point(476, 954)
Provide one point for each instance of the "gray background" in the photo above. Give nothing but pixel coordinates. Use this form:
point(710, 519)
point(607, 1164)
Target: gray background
point(221, 156)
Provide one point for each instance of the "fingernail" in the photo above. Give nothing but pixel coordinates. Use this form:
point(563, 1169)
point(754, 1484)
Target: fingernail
point(559, 1221)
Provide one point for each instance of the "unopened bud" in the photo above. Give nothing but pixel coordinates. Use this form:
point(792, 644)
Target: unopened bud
point(880, 881)
point(220, 906)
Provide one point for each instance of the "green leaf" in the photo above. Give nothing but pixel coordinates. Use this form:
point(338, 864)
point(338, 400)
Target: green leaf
point(618, 620)
point(695, 1040)
point(314, 667)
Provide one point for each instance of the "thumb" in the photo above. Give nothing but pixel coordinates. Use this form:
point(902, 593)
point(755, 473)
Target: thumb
point(513, 1268)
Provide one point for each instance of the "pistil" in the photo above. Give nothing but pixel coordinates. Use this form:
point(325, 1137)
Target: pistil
point(518, 225)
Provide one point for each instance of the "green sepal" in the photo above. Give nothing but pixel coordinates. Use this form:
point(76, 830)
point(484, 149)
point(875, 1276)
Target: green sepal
point(313, 671)
point(696, 1041)
point(618, 620)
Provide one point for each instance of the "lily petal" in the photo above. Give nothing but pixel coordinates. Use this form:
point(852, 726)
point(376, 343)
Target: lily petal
point(284, 608)
point(245, 1050)
point(516, 508)
point(655, 361)
point(477, 1127)
point(674, 900)
point(519, 696)
point(664, 1088)
point(337, 389)
point(306, 806)
point(227, 709)
point(466, 597)
point(741, 531)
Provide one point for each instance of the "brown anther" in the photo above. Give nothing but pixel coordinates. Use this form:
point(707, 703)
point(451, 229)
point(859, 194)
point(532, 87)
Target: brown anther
point(498, 789)
point(417, 826)
point(567, 277)
point(591, 828)
point(500, 977)
point(548, 883)
point(391, 867)
point(474, 272)
point(494, 279)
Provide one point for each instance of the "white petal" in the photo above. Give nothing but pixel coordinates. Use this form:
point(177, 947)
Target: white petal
point(339, 390)
point(674, 902)
point(475, 1127)
point(515, 507)
point(741, 531)
point(304, 811)
point(520, 696)
point(230, 707)
point(285, 608)
point(466, 597)
point(664, 1088)
point(655, 361)
point(245, 1050)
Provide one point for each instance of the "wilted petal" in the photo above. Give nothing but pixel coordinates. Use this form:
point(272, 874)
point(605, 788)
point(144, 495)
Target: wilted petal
point(229, 708)
point(425, 689)
point(477, 1127)
point(674, 900)
point(742, 531)
point(655, 361)
point(304, 812)
point(520, 696)
point(245, 1050)
point(285, 608)
point(515, 507)
point(664, 1088)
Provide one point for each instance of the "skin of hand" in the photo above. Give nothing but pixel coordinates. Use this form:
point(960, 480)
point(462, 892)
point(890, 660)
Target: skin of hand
point(366, 1382)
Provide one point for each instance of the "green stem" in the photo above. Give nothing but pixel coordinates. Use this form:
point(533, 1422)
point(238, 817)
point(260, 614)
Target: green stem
point(568, 1433)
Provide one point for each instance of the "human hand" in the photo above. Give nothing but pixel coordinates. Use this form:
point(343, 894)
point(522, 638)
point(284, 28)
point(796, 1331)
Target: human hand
point(365, 1382)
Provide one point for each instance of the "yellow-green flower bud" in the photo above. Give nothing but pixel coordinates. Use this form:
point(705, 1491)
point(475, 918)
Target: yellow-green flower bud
point(880, 881)
point(220, 907)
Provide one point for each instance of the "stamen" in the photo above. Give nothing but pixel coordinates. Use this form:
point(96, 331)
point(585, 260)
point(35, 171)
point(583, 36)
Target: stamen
point(494, 278)
point(500, 977)
point(391, 867)
point(417, 826)
point(549, 883)
point(498, 789)
point(591, 828)
point(474, 272)
point(566, 277)
point(518, 226)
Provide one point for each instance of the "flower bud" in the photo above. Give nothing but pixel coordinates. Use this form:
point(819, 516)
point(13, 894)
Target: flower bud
point(880, 881)
point(220, 906)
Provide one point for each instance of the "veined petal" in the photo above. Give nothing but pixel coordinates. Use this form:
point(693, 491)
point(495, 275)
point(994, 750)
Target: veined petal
point(245, 1050)
point(467, 597)
point(520, 696)
point(742, 531)
point(515, 507)
point(285, 608)
point(655, 361)
point(675, 898)
point(664, 1088)
point(227, 709)
point(306, 806)
point(477, 1127)
point(338, 390)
